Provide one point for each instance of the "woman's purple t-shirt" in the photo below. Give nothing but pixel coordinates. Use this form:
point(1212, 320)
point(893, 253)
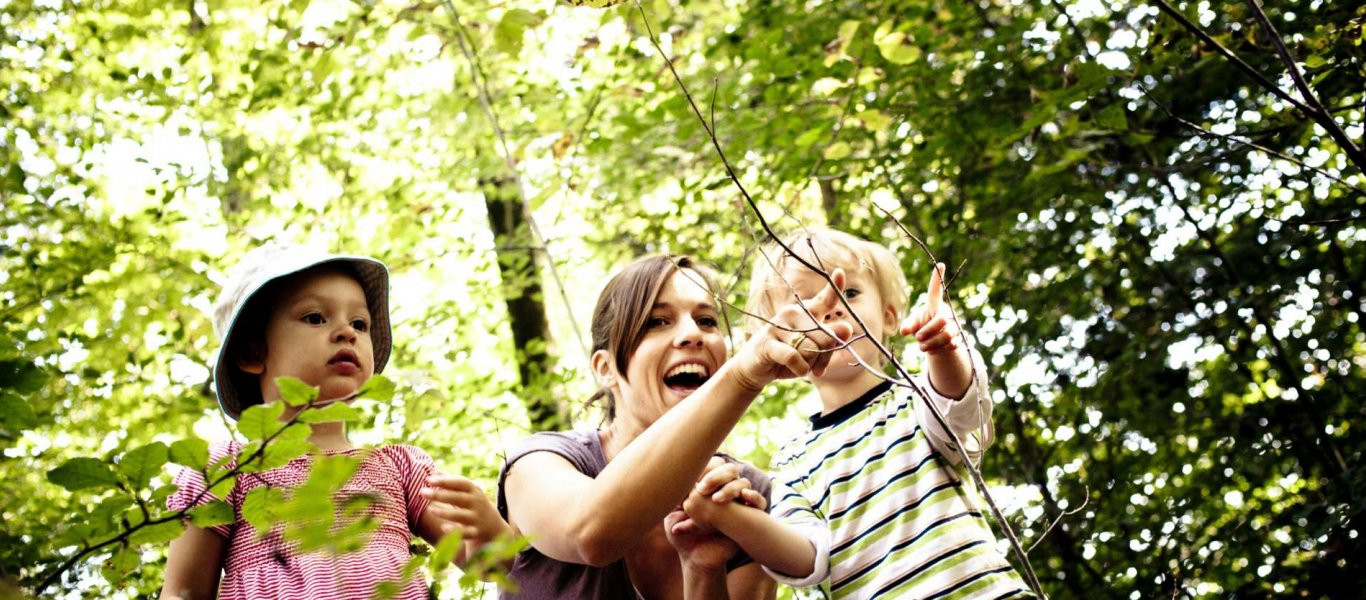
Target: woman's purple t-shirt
point(541, 577)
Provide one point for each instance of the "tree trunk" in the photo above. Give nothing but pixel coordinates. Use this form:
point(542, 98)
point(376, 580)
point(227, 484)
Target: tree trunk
point(516, 249)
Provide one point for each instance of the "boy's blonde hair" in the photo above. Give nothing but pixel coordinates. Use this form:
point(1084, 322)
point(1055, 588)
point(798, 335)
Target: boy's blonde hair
point(828, 249)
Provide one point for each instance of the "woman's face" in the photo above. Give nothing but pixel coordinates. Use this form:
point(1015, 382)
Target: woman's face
point(683, 346)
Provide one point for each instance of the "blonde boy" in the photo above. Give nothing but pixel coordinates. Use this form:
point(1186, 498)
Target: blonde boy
point(871, 502)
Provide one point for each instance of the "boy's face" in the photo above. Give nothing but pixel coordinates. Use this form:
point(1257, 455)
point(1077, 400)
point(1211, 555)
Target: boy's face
point(862, 294)
point(318, 332)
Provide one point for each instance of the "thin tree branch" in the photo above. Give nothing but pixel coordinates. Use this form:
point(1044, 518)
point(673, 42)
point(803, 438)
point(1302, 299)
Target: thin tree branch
point(1243, 66)
point(1207, 133)
point(1320, 114)
point(1028, 569)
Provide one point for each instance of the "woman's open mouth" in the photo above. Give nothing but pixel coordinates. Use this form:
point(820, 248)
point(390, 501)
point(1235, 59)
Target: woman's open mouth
point(684, 379)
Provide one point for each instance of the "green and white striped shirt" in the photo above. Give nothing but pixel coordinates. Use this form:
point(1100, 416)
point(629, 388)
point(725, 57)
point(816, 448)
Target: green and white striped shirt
point(887, 511)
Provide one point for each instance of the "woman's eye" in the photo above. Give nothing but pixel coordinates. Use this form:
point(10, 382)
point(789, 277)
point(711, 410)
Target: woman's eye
point(314, 319)
point(708, 322)
point(359, 325)
point(654, 322)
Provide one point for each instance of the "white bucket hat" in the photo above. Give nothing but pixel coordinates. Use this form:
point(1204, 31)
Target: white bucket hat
point(273, 262)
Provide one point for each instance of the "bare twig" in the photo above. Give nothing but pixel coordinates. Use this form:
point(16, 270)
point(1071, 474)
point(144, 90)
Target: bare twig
point(1207, 133)
point(1085, 499)
point(1238, 62)
point(1320, 114)
point(1028, 569)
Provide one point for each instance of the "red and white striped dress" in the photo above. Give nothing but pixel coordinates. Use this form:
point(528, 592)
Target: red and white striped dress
point(270, 567)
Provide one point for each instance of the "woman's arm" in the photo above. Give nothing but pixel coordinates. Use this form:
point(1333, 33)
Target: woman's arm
point(194, 563)
point(751, 583)
point(575, 518)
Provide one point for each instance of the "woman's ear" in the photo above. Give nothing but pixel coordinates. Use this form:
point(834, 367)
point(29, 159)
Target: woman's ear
point(603, 369)
point(252, 358)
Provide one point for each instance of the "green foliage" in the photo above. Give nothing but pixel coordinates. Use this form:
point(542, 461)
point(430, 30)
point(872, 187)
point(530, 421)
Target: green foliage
point(1172, 317)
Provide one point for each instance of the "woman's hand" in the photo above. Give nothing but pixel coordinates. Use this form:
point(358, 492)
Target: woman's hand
point(703, 551)
point(794, 343)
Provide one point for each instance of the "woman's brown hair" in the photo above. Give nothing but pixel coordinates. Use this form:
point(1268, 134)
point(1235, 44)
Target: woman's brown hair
point(624, 306)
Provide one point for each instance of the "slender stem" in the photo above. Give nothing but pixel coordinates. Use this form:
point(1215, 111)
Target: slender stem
point(1023, 557)
point(1243, 66)
point(1320, 114)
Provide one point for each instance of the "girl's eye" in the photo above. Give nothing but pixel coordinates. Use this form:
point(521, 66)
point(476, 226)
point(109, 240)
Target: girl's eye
point(655, 322)
point(314, 319)
point(852, 293)
point(708, 322)
point(359, 325)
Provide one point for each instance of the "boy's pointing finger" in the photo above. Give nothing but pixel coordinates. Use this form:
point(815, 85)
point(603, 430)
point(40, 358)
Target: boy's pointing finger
point(936, 290)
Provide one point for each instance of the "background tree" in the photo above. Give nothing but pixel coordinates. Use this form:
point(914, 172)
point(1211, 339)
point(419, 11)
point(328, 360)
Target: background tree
point(1153, 230)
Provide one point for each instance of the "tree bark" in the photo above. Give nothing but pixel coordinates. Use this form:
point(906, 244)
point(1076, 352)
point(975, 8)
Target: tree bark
point(516, 249)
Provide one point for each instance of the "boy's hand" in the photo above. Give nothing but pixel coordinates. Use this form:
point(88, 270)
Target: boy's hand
point(461, 504)
point(721, 481)
point(933, 324)
point(720, 484)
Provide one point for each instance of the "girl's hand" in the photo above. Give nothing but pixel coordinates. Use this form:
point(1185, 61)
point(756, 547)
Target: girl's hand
point(461, 504)
point(794, 343)
point(933, 324)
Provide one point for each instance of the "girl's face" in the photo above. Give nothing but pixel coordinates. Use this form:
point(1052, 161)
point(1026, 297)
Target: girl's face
point(318, 332)
point(683, 346)
point(861, 292)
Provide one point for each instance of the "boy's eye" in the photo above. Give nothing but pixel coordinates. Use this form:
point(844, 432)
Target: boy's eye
point(852, 293)
point(314, 319)
point(359, 325)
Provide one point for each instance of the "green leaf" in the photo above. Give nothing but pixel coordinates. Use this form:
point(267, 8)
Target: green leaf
point(330, 414)
point(213, 513)
point(140, 464)
point(379, 388)
point(511, 29)
point(191, 452)
point(874, 119)
point(837, 151)
point(118, 566)
point(160, 533)
point(258, 422)
point(895, 46)
point(83, 472)
point(15, 412)
point(826, 86)
point(295, 392)
point(1113, 118)
point(445, 551)
point(283, 449)
point(259, 508)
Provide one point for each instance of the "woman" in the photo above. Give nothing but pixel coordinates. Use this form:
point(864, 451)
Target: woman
point(594, 502)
